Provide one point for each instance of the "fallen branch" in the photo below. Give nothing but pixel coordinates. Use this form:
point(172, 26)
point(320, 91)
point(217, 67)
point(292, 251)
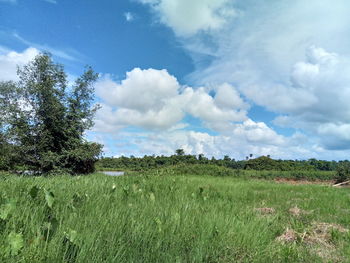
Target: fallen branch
point(346, 182)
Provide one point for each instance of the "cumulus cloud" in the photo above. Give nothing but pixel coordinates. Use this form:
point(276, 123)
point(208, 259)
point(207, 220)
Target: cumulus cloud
point(10, 60)
point(156, 102)
point(187, 18)
point(324, 77)
point(290, 57)
point(153, 99)
point(146, 98)
point(247, 137)
point(216, 113)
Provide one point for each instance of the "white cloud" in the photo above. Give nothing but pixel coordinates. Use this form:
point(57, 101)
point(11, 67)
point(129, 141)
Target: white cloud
point(187, 18)
point(247, 137)
point(216, 113)
point(129, 16)
point(153, 99)
point(146, 98)
point(258, 49)
point(10, 60)
point(325, 77)
point(141, 90)
point(262, 51)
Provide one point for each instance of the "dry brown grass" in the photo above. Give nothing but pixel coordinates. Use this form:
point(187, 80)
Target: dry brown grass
point(318, 238)
point(289, 236)
point(265, 210)
point(296, 211)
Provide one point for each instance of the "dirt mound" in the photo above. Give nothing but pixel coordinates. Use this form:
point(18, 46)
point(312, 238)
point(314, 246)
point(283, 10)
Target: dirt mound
point(321, 233)
point(289, 236)
point(318, 238)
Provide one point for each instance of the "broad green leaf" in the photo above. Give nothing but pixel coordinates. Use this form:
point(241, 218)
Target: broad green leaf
point(15, 242)
point(6, 209)
point(50, 198)
point(33, 192)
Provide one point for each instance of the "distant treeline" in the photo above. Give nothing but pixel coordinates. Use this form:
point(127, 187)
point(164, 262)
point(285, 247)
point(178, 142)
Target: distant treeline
point(260, 163)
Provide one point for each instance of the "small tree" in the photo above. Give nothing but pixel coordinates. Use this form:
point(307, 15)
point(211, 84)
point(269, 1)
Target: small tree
point(45, 119)
point(180, 152)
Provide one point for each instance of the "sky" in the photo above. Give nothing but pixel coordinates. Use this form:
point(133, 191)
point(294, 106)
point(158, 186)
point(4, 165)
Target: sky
point(213, 77)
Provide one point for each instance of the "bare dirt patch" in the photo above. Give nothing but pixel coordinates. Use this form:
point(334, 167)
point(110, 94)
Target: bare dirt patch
point(321, 233)
point(318, 238)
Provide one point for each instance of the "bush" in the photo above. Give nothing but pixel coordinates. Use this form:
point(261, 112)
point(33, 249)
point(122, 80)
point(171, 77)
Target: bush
point(82, 159)
point(343, 172)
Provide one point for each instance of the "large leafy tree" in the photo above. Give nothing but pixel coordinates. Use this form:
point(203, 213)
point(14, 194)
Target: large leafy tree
point(45, 119)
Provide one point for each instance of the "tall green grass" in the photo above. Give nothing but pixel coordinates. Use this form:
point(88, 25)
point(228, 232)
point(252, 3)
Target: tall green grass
point(214, 170)
point(147, 218)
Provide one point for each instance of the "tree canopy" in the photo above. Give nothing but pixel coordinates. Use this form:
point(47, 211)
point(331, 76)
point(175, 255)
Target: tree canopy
point(43, 119)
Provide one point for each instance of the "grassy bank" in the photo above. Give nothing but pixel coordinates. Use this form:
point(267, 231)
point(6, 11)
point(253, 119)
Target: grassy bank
point(214, 170)
point(178, 218)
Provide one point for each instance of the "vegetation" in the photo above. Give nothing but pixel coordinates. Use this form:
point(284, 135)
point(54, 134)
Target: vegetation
point(263, 167)
point(168, 218)
point(260, 163)
point(43, 120)
point(343, 173)
point(218, 171)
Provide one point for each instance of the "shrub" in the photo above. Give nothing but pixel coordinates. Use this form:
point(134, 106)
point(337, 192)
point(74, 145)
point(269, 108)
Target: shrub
point(82, 159)
point(343, 172)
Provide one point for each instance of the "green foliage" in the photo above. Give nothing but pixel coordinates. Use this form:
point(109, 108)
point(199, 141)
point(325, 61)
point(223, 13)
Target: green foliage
point(45, 119)
point(343, 172)
point(180, 152)
point(262, 167)
point(82, 158)
point(49, 197)
point(262, 163)
point(220, 171)
point(15, 242)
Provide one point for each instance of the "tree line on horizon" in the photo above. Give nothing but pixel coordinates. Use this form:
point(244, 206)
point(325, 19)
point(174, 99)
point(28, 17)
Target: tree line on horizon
point(260, 163)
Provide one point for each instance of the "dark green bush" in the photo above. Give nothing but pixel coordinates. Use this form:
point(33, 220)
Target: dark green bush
point(343, 172)
point(82, 159)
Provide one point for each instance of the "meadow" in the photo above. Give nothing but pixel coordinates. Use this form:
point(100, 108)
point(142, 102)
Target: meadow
point(163, 216)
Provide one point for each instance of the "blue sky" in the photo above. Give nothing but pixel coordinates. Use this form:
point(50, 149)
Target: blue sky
point(218, 77)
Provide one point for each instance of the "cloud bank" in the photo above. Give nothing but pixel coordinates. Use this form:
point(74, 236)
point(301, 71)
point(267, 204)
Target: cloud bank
point(292, 58)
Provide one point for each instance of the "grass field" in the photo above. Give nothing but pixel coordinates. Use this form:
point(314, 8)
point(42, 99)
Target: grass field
point(97, 218)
